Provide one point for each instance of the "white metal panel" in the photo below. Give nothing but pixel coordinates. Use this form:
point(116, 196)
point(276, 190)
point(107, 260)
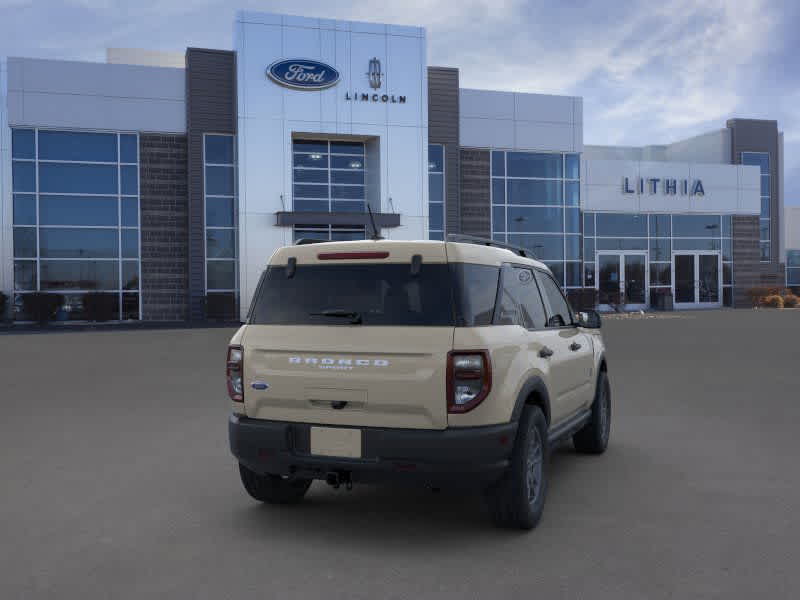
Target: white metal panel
point(486, 133)
point(370, 28)
point(300, 42)
point(261, 18)
point(543, 107)
point(404, 77)
point(262, 157)
point(486, 104)
point(406, 190)
point(546, 136)
point(364, 47)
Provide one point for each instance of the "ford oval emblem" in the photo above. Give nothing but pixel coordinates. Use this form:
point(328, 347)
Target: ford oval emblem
point(303, 74)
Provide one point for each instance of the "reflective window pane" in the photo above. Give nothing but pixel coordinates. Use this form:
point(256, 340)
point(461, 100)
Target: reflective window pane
point(498, 163)
point(79, 275)
point(765, 207)
point(763, 229)
point(621, 243)
point(535, 219)
point(77, 210)
point(498, 218)
point(311, 234)
point(310, 191)
point(220, 275)
point(793, 258)
point(588, 224)
point(318, 161)
point(695, 244)
point(588, 274)
point(347, 148)
point(348, 206)
point(357, 177)
point(55, 242)
point(765, 251)
point(727, 249)
point(436, 217)
point(25, 275)
point(343, 162)
point(622, 225)
point(765, 185)
point(660, 226)
point(128, 148)
point(23, 176)
point(343, 236)
point(530, 164)
point(572, 274)
point(219, 149)
point(759, 159)
point(573, 166)
point(24, 209)
point(727, 273)
point(219, 212)
point(77, 179)
point(727, 226)
point(435, 158)
point(588, 249)
point(696, 225)
point(544, 247)
point(661, 274)
point(129, 184)
point(23, 143)
point(347, 192)
point(660, 249)
point(498, 191)
point(220, 243)
point(78, 146)
point(572, 247)
point(572, 220)
point(311, 175)
point(130, 212)
point(572, 190)
point(793, 277)
point(219, 181)
point(25, 242)
point(130, 307)
point(130, 274)
point(529, 191)
point(436, 188)
point(309, 146)
point(130, 243)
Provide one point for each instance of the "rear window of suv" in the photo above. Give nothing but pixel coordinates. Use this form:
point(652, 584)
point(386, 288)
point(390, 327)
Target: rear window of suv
point(366, 294)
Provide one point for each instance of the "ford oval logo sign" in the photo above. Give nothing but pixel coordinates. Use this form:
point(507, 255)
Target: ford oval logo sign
point(303, 74)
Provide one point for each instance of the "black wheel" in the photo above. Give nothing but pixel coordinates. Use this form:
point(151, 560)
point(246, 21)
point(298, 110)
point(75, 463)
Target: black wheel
point(517, 500)
point(593, 438)
point(273, 488)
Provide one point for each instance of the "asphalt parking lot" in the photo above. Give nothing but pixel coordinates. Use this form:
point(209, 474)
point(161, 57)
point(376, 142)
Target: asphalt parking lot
point(117, 482)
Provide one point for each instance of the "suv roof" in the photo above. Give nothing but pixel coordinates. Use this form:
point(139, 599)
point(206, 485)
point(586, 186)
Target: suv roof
point(402, 251)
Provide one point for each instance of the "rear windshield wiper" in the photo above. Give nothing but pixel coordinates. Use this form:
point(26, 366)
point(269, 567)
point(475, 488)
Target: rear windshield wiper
point(355, 318)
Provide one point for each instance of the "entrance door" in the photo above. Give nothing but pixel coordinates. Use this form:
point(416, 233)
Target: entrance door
point(697, 279)
point(622, 280)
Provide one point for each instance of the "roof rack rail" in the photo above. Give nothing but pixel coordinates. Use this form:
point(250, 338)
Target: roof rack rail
point(304, 241)
point(471, 239)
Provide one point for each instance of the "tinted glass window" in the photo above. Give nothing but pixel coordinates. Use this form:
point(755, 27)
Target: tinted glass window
point(544, 247)
point(73, 145)
point(572, 246)
point(80, 275)
point(381, 294)
point(343, 162)
point(498, 163)
point(759, 159)
point(25, 242)
point(436, 216)
point(436, 186)
point(660, 226)
point(538, 219)
point(130, 275)
point(357, 177)
point(219, 149)
point(129, 180)
point(623, 225)
point(130, 212)
point(498, 191)
point(128, 151)
point(793, 258)
point(726, 225)
point(219, 212)
point(572, 191)
point(476, 292)
point(435, 158)
point(696, 225)
point(572, 220)
point(25, 275)
point(347, 192)
point(55, 242)
point(529, 164)
point(77, 179)
point(588, 224)
point(695, 244)
point(23, 143)
point(310, 146)
point(520, 302)
point(531, 191)
point(573, 166)
point(347, 148)
point(558, 304)
point(311, 175)
point(24, 209)
point(130, 243)
point(221, 274)
point(573, 274)
point(77, 210)
point(621, 244)
point(219, 181)
point(348, 206)
point(660, 249)
point(315, 161)
point(23, 176)
point(220, 243)
point(660, 274)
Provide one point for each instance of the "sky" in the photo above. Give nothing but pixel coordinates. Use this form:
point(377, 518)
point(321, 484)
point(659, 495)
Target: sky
point(649, 72)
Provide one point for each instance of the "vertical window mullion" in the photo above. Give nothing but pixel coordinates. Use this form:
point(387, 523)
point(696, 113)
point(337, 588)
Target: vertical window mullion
point(36, 188)
point(119, 230)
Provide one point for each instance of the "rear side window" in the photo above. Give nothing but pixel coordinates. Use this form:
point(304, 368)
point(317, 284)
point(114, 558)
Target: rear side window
point(558, 304)
point(372, 294)
point(520, 302)
point(476, 292)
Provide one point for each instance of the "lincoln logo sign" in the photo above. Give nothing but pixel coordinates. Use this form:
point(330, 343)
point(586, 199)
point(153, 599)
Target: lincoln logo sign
point(667, 186)
point(302, 74)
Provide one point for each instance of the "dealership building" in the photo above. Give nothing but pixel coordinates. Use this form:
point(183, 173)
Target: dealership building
point(167, 180)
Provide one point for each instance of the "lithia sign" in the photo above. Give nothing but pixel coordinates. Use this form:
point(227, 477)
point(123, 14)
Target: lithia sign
point(669, 187)
point(306, 74)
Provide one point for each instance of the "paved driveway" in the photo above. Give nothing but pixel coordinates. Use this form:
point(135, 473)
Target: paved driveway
point(117, 483)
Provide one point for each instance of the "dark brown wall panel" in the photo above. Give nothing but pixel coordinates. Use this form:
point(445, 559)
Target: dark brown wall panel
point(443, 113)
point(475, 199)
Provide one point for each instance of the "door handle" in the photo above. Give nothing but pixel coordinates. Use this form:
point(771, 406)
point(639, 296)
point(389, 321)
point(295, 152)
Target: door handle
point(545, 352)
point(574, 346)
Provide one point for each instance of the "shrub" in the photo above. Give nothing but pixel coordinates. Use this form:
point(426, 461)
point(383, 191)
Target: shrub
point(99, 306)
point(3, 306)
point(773, 301)
point(41, 306)
point(790, 300)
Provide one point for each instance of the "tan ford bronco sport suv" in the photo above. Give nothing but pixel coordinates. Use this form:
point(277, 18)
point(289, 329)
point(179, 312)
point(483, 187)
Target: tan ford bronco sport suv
point(445, 363)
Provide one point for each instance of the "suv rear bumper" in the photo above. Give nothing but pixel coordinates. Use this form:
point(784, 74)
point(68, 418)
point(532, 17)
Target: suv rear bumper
point(469, 455)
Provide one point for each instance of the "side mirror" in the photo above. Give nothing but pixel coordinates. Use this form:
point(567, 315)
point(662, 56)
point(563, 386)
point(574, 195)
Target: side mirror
point(590, 319)
point(555, 321)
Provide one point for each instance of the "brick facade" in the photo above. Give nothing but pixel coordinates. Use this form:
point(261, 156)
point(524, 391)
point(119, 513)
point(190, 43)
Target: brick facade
point(164, 227)
point(476, 204)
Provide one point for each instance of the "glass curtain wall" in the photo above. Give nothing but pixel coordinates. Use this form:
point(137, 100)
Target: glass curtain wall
point(76, 220)
point(761, 160)
point(222, 280)
point(328, 176)
point(793, 268)
point(660, 235)
point(536, 205)
point(436, 191)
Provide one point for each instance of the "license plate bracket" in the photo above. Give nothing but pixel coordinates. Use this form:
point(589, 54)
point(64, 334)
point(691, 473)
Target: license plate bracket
point(336, 442)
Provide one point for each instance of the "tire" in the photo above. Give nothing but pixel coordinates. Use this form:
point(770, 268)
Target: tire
point(593, 438)
point(273, 489)
point(517, 500)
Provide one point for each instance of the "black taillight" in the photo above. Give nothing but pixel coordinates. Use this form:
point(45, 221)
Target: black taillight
point(234, 373)
point(469, 379)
